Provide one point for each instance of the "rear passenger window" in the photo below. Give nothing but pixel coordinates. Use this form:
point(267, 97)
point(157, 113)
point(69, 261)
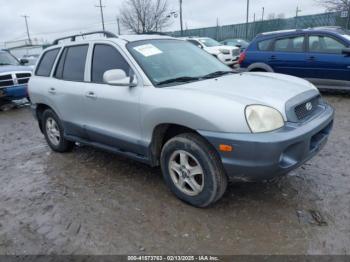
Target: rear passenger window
point(71, 66)
point(264, 45)
point(46, 62)
point(292, 44)
point(106, 58)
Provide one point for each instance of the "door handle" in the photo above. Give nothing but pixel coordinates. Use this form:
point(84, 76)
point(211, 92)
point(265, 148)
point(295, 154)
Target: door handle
point(91, 94)
point(52, 90)
point(312, 58)
point(273, 57)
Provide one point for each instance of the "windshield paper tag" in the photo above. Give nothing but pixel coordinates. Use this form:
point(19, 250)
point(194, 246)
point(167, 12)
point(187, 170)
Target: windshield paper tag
point(148, 50)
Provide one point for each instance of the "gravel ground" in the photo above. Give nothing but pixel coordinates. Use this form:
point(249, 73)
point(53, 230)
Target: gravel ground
point(92, 202)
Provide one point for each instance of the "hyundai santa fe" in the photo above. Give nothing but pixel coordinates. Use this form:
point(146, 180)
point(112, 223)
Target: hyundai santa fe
point(167, 103)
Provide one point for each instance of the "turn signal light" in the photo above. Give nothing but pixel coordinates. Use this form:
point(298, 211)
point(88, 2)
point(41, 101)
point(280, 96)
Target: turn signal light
point(226, 148)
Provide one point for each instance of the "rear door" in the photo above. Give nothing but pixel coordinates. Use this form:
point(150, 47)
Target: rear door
point(326, 63)
point(112, 114)
point(288, 55)
point(67, 88)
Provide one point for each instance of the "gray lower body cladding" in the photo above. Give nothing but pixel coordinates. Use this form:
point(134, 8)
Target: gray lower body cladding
point(264, 156)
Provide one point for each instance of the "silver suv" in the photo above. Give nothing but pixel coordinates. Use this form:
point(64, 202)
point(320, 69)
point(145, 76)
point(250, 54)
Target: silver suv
point(167, 103)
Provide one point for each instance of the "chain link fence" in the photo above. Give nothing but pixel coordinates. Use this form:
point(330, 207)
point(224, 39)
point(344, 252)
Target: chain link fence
point(239, 30)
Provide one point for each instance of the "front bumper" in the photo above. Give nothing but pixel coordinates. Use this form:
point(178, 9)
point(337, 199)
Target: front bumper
point(14, 92)
point(228, 59)
point(264, 156)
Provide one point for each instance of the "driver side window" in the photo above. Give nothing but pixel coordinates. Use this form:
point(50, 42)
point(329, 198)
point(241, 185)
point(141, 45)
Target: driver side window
point(106, 57)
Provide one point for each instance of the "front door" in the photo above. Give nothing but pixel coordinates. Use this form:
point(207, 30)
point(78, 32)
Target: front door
point(326, 63)
point(112, 114)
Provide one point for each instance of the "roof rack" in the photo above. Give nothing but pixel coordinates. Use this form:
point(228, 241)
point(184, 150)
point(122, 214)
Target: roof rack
point(153, 33)
point(73, 37)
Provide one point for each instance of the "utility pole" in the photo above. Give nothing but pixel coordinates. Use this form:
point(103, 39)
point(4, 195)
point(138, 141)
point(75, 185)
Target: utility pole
point(118, 23)
point(298, 10)
point(263, 14)
point(181, 21)
point(247, 22)
point(102, 18)
point(348, 20)
point(26, 20)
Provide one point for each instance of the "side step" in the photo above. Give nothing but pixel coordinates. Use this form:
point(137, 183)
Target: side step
point(117, 151)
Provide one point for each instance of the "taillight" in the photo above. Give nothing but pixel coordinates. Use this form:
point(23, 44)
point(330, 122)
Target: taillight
point(242, 57)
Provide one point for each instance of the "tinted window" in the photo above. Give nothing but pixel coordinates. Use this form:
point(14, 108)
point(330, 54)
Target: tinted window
point(292, 44)
point(72, 63)
point(46, 62)
point(325, 44)
point(59, 68)
point(105, 58)
point(264, 45)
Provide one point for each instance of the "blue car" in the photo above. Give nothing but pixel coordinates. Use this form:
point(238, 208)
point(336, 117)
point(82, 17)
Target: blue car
point(14, 77)
point(320, 55)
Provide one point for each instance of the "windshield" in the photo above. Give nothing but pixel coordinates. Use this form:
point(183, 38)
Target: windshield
point(164, 60)
point(7, 59)
point(208, 42)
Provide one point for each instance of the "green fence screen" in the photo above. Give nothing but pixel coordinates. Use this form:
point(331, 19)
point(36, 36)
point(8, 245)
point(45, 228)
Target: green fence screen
point(239, 30)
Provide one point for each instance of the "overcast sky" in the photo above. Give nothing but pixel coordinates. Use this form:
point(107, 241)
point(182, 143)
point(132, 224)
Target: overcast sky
point(50, 19)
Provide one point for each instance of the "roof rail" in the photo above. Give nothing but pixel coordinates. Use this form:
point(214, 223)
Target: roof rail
point(73, 37)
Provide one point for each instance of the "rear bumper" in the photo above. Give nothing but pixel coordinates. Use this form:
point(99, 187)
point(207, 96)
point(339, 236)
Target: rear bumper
point(14, 92)
point(264, 156)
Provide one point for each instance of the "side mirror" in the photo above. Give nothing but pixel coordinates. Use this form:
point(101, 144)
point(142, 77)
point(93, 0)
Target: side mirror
point(118, 77)
point(23, 61)
point(239, 46)
point(346, 51)
point(200, 46)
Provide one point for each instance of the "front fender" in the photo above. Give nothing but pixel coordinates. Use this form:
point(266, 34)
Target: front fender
point(159, 116)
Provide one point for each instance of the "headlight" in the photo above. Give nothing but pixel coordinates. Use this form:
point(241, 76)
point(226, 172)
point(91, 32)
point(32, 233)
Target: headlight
point(224, 51)
point(263, 118)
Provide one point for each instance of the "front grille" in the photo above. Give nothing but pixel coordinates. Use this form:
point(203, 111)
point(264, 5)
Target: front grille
point(235, 52)
point(23, 75)
point(6, 80)
point(23, 78)
point(307, 108)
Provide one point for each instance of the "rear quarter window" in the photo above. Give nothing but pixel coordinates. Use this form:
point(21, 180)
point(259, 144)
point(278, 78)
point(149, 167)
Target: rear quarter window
point(46, 63)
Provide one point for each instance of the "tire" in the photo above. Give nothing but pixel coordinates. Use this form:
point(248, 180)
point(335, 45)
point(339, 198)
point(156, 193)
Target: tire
point(259, 70)
point(198, 156)
point(54, 132)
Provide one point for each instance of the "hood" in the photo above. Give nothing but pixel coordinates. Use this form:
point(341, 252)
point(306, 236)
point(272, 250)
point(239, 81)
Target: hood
point(216, 49)
point(269, 89)
point(13, 68)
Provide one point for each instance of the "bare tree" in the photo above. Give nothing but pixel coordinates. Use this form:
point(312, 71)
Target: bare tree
point(141, 16)
point(335, 5)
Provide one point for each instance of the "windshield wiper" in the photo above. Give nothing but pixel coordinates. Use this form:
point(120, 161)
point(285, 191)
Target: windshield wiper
point(2, 64)
point(217, 74)
point(182, 79)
